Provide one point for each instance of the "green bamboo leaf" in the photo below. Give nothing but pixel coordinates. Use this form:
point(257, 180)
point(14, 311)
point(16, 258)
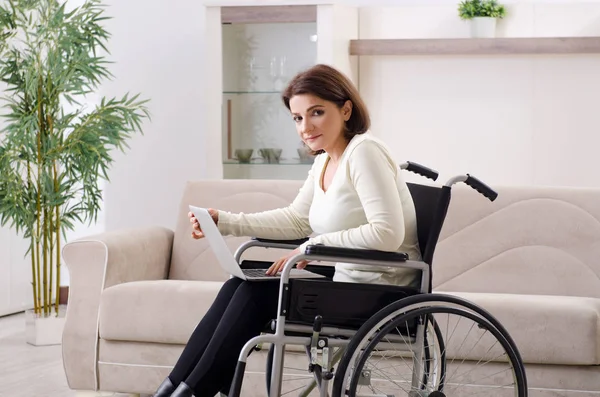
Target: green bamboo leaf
point(51, 157)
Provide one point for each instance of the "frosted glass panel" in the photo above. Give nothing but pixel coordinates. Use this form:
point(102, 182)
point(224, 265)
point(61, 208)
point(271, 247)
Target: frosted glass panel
point(258, 62)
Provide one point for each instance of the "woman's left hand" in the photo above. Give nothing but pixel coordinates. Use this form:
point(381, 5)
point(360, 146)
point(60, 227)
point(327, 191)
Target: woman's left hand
point(280, 263)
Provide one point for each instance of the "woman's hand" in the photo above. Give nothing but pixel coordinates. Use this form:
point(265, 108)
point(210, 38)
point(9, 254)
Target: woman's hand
point(197, 231)
point(280, 263)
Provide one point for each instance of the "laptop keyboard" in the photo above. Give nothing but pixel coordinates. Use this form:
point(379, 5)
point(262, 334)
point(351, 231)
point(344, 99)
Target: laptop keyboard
point(257, 273)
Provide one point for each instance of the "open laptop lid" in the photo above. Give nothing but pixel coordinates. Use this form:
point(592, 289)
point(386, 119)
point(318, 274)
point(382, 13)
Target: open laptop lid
point(217, 242)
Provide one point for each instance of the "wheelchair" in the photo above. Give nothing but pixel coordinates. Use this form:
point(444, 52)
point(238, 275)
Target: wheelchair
point(373, 340)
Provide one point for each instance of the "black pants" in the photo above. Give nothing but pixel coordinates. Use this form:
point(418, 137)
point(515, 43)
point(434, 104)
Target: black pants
point(239, 313)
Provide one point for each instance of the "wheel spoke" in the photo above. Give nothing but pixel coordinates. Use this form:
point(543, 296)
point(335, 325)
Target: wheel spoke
point(382, 350)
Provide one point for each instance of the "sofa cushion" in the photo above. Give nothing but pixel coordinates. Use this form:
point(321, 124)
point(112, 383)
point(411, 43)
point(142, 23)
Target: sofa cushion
point(164, 311)
point(530, 241)
point(547, 329)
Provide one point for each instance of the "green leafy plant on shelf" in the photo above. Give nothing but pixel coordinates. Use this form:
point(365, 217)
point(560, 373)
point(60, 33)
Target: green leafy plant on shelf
point(469, 9)
point(53, 148)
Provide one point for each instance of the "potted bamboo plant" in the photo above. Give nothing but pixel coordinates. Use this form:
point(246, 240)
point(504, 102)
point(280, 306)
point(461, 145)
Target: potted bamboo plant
point(482, 15)
point(54, 146)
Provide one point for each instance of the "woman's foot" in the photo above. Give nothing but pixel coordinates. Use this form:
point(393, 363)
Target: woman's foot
point(183, 390)
point(165, 389)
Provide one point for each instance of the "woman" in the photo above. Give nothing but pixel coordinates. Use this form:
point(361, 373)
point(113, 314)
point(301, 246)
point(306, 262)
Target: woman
point(353, 197)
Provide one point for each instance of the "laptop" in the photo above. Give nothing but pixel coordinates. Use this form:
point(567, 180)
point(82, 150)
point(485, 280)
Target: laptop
point(225, 257)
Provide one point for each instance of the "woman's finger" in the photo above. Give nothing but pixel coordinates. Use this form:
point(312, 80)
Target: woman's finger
point(302, 264)
point(282, 264)
point(197, 235)
point(196, 226)
point(272, 268)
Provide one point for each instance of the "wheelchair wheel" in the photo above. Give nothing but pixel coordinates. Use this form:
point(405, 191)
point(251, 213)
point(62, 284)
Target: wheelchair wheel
point(297, 380)
point(470, 353)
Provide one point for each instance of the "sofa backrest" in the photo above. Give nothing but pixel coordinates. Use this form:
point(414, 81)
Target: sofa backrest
point(192, 259)
point(531, 240)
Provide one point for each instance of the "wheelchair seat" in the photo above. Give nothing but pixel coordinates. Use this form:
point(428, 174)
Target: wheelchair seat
point(349, 305)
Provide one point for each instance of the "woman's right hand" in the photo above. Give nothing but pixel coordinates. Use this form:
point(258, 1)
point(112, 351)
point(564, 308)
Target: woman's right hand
point(196, 230)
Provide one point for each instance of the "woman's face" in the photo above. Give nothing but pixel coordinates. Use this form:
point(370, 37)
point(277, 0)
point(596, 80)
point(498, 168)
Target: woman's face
point(319, 123)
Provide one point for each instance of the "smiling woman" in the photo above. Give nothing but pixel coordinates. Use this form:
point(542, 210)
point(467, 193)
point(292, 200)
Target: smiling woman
point(353, 197)
point(323, 90)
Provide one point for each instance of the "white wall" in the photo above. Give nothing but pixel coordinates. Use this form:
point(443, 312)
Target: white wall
point(15, 273)
point(507, 119)
point(15, 268)
point(157, 47)
point(526, 120)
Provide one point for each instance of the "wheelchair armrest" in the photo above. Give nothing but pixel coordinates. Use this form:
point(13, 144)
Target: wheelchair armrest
point(297, 242)
point(354, 253)
point(267, 243)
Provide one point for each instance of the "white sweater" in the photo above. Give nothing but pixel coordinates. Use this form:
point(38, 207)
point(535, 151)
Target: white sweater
point(367, 205)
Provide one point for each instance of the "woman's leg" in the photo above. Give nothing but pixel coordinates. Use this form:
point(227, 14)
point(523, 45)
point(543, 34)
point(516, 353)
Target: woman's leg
point(252, 306)
point(203, 332)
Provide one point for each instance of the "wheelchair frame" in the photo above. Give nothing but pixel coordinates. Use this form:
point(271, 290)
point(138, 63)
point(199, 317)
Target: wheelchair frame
point(279, 339)
point(313, 340)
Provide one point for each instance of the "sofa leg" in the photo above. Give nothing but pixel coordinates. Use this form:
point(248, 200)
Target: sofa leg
point(88, 393)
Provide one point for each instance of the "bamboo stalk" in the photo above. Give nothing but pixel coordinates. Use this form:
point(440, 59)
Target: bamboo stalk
point(53, 225)
point(57, 242)
point(50, 237)
point(36, 308)
point(57, 303)
point(45, 256)
point(50, 216)
point(37, 236)
point(39, 187)
point(37, 260)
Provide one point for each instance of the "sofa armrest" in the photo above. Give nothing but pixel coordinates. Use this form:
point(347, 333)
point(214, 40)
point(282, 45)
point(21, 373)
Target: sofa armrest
point(95, 263)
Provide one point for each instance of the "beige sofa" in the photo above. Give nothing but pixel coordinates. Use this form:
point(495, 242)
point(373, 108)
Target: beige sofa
point(531, 258)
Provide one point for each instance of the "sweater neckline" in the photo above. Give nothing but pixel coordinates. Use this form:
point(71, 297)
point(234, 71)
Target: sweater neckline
point(355, 139)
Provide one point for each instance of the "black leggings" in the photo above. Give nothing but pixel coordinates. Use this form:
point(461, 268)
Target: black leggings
point(240, 312)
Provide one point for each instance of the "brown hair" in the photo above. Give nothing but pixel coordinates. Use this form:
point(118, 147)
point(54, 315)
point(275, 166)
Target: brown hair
point(331, 85)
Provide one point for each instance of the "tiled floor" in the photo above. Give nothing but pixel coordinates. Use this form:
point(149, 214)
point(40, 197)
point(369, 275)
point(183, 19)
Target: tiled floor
point(29, 371)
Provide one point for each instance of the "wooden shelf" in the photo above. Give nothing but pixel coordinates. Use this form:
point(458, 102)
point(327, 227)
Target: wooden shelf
point(495, 46)
point(269, 14)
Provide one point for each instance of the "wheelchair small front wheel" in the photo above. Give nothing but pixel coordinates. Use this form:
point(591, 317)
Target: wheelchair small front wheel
point(470, 353)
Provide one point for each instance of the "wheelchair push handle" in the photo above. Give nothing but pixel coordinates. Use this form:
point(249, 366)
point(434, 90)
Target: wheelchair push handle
point(420, 170)
point(481, 187)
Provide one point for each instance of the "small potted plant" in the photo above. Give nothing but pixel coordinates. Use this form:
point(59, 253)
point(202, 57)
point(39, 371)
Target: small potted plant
point(483, 15)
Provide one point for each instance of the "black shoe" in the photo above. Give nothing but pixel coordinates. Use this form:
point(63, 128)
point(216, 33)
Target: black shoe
point(182, 390)
point(165, 389)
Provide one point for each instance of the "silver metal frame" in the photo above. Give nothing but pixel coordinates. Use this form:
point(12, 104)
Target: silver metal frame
point(279, 340)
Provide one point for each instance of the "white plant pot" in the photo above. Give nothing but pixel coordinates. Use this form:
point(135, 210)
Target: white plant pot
point(44, 331)
point(483, 27)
